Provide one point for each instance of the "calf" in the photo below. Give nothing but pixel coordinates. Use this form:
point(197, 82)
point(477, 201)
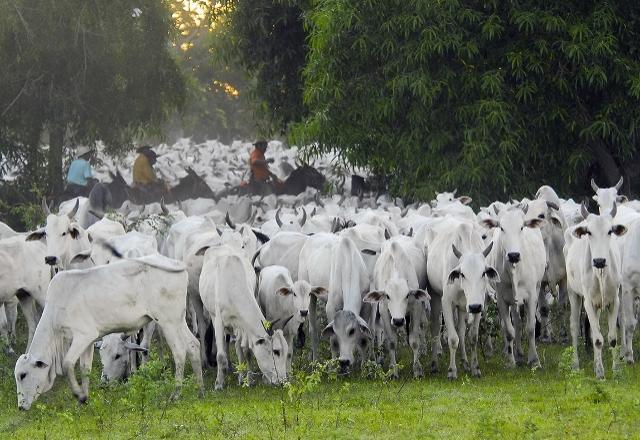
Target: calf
point(593, 273)
point(84, 305)
point(118, 356)
point(280, 298)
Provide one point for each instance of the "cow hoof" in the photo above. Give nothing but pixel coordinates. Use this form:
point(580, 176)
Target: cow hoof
point(535, 363)
point(510, 363)
point(434, 367)
point(465, 366)
point(475, 372)
point(417, 371)
point(82, 400)
point(452, 374)
point(546, 339)
point(218, 386)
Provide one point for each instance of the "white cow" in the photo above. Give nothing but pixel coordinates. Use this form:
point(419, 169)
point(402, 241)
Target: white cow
point(594, 278)
point(84, 305)
point(282, 249)
point(460, 278)
point(630, 289)
point(24, 276)
point(284, 222)
point(227, 285)
point(607, 197)
point(6, 231)
point(281, 299)
point(519, 256)
point(397, 291)
point(118, 356)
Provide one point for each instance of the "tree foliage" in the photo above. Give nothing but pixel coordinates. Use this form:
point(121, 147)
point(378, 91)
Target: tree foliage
point(493, 97)
point(83, 71)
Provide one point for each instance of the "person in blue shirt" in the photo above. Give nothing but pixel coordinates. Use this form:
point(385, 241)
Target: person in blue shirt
point(80, 176)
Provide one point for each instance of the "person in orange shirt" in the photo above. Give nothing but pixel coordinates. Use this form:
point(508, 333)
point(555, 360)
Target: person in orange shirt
point(259, 165)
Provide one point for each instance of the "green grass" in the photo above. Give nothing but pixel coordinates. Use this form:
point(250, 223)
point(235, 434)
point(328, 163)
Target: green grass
point(548, 403)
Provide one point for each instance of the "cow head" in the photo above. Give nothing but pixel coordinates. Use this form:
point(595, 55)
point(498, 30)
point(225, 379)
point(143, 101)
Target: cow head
point(474, 277)
point(446, 198)
point(347, 332)
point(606, 197)
point(115, 354)
point(598, 230)
point(290, 222)
point(33, 377)
point(397, 294)
point(511, 225)
point(271, 353)
point(545, 210)
point(300, 294)
point(59, 233)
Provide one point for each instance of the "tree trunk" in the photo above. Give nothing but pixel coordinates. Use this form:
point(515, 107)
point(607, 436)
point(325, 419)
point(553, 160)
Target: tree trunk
point(54, 165)
point(607, 164)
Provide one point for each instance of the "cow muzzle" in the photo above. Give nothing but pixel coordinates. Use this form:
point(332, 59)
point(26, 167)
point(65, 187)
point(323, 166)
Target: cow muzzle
point(513, 257)
point(398, 322)
point(475, 308)
point(304, 313)
point(599, 263)
point(51, 261)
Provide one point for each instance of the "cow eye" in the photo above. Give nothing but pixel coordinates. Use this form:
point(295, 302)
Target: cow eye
point(541, 216)
point(118, 356)
point(276, 352)
point(64, 233)
point(23, 375)
point(351, 332)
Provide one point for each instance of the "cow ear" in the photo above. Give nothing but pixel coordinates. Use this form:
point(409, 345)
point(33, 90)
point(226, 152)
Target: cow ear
point(622, 199)
point(555, 221)
point(89, 237)
point(465, 200)
point(619, 230)
point(454, 275)
point(284, 291)
point(489, 223)
point(328, 330)
point(320, 292)
point(135, 347)
point(492, 274)
point(364, 328)
point(375, 296)
point(534, 223)
point(80, 257)
point(580, 231)
point(74, 232)
point(202, 250)
point(36, 235)
point(420, 295)
point(40, 364)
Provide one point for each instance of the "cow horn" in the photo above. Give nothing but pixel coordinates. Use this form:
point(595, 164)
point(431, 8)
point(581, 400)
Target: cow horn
point(486, 250)
point(553, 206)
point(614, 210)
point(387, 235)
point(455, 191)
point(303, 220)
point(410, 234)
point(335, 225)
point(455, 250)
point(219, 232)
point(163, 207)
point(278, 220)
point(594, 186)
point(73, 212)
point(619, 184)
point(45, 207)
point(342, 199)
point(313, 212)
point(584, 211)
point(229, 222)
point(318, 201)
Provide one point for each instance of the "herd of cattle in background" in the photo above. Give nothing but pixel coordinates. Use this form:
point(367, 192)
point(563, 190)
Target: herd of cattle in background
point(205, 273)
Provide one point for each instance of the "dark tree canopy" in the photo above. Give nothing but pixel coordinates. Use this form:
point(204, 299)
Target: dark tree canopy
point(84, 71)
point(493, 97)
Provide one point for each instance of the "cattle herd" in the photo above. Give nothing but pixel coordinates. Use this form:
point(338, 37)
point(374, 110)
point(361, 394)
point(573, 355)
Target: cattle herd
point(251, 271)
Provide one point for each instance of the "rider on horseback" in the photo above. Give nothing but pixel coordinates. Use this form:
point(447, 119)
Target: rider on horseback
point(262, 178)
point(80, 176)
point(144, 178)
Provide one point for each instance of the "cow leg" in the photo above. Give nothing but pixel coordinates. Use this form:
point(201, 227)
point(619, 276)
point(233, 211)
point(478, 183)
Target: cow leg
point(289, 337)
point(628, 323)
point(436, 313)
point(242, 360)
point(473, 339)
point(545, 329)
point(11, 310)
point(596, 336)
point(563, 296)
point(85, 362)
point(147, 335)
point(612, 336)
point(417, 311)
point(313, 326)
point(193, 352)
point(462, 330)
point(201, 323)
point(509, 332)
point(78, 346)
point(391, 339)
point(178, 345)
point(221, 355)
point(533, 359)
point(516, 316)
point(28, 306)
point(447, 311)
point(576, 307)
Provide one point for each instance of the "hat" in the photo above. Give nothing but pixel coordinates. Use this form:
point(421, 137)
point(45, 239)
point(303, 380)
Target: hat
point(147, 151)
point(82, 150)
point(260, 142)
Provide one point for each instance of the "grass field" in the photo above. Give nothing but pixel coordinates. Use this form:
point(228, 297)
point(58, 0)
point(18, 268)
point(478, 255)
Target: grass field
point(552, 402)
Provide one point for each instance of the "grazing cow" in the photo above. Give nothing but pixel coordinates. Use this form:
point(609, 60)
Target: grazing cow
point(396, 289)
point(84, 305)
point(335, 263)
point(23, 276)
point(227, 285)
point(460, 278)
point(64, 238)
point(280, 298)
point(594, 279)
point(519, 256)
point(117, 354)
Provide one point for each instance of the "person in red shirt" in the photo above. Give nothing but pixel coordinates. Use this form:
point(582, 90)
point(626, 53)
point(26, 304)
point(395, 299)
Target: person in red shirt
point(258, 164)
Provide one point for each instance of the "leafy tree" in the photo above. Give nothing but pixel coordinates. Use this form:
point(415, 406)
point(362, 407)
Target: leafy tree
point(83, 71)
point(267, 39)
point(493, 97)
